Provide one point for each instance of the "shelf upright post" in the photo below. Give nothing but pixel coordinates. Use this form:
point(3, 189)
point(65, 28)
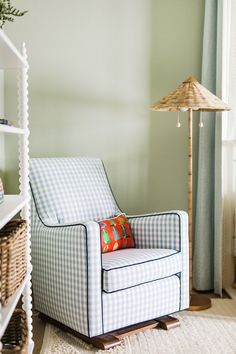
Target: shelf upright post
point(24, 182)
point(2, 162)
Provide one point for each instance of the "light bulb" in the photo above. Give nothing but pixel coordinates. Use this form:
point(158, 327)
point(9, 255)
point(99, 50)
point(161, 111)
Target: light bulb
point(178, 125)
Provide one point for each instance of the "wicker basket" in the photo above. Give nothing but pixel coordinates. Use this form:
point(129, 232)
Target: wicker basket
point(16, 335)
point(13, 267)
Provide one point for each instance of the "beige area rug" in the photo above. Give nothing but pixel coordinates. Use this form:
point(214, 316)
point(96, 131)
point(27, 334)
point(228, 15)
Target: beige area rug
point(211, 331)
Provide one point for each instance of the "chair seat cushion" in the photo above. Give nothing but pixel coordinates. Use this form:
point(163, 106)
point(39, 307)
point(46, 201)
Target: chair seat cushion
point(126, 268)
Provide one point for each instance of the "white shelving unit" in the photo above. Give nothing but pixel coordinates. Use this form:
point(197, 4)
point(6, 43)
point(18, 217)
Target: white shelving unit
point(10, 57)
point(7, 310)
point(11, 206)
point(11, 130)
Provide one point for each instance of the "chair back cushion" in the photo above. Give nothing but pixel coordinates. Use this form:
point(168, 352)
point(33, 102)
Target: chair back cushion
point(71, 190)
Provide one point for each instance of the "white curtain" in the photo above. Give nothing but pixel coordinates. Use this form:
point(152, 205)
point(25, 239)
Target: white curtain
point(229, 141)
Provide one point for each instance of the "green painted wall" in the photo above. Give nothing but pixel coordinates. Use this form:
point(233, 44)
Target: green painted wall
point(95, 68)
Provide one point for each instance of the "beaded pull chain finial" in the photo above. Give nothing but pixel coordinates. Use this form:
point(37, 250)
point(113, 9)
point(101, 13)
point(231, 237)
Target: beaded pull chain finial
point(178, 125)
point(201, 125)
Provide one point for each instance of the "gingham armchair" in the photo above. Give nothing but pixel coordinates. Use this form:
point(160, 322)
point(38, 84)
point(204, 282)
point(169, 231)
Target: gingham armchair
point(77, 285)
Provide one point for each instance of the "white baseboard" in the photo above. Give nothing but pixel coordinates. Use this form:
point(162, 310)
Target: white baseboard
point(231, 292)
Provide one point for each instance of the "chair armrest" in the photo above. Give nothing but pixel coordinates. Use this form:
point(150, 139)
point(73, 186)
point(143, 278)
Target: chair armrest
point(161, 230)
point(165, 230)
point(67, 271)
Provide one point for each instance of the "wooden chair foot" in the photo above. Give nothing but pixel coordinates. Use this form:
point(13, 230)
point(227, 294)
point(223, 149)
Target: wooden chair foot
point(112, 339)
point(105, 341)
point(167, 322)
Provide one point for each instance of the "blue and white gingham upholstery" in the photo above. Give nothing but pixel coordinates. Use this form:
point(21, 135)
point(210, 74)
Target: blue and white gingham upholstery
point(67, 274)
point(165, 230)
point(68, 190)
point(141, 303)
point(131, 267)
point(72, 280)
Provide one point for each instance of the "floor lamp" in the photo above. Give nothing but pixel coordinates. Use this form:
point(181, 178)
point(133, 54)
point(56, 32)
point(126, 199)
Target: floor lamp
point(191, 96)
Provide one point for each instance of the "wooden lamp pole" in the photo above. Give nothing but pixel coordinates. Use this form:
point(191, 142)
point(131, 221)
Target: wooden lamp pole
point(190, 195)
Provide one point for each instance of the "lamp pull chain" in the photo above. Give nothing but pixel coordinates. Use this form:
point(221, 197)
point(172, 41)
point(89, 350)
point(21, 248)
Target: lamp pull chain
point(178, 125)
point(201, 125)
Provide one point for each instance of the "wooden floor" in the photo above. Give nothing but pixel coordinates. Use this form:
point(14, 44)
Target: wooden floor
point(39, 326)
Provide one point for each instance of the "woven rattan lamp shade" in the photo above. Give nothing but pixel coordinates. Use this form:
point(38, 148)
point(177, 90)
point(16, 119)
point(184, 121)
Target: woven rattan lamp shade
point(190, 95)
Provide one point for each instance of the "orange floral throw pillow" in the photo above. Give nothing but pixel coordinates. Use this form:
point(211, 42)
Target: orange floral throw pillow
point(115, 234)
